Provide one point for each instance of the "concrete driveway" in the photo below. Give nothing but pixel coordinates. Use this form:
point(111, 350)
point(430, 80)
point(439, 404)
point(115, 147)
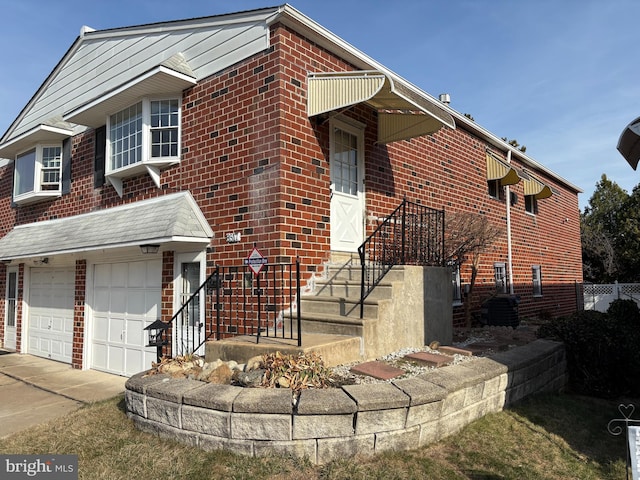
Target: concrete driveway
point(34, 390)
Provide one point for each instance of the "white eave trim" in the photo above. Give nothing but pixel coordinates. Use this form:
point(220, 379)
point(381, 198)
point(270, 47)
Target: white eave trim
point(40, 134)
point(157, 81)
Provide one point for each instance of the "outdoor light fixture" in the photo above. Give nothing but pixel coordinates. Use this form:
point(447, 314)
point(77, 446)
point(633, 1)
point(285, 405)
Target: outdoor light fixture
point(149, 248)
point(157, 332)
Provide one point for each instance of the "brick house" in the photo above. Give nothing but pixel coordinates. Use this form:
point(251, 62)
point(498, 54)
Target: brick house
point(201, 138)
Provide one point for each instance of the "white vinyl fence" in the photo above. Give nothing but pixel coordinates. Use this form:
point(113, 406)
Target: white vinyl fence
point(599, 296)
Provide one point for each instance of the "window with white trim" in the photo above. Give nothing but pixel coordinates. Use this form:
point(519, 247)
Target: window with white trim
point(536, 274)
point(500, 274)
point(495, 188)
point(38, 172)
point(531, 204)
point(455, 284)
point(144, 132)
point(144, 136)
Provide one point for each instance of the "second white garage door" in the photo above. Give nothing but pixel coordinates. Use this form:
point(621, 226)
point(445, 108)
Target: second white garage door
point(126, 299)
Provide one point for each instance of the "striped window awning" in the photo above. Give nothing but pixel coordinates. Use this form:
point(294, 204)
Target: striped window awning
point(403, 112)
point(499, 170)
point(535, 187)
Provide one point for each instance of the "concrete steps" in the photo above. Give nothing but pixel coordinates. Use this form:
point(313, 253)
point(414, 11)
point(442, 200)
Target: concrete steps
point(334, 349)
point(330, 320)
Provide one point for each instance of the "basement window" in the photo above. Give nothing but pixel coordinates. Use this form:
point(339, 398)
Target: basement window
point(456, 285)
point(500, 275)
point(536, 273)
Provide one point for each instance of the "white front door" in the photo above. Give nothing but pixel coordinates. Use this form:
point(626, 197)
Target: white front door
point(11, 304)
point(347, 187)
point(126, 299)
point(190, 303)
point(51, 300)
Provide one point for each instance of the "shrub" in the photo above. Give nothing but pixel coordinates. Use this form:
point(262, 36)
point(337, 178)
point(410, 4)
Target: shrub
point(602, 355)
point(624, 311)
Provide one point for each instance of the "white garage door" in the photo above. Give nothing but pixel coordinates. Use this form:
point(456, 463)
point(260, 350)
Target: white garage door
point(51, 293)
point(126, 299)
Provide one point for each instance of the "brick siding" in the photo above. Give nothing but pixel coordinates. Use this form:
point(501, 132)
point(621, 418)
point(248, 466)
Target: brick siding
point(257, 165)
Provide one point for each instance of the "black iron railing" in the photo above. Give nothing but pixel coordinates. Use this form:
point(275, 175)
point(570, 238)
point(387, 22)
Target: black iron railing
point(412, 235)
point(235, 301)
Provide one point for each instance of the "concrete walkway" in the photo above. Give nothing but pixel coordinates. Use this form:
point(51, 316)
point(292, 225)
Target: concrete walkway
point(34, 390)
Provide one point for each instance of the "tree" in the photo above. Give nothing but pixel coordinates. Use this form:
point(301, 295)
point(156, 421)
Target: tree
point(601, 232)
point(627, 243)
point(467, 236)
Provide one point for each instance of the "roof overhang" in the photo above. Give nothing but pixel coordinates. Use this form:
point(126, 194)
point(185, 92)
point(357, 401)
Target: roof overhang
point(160, 80)
point(167, 220)
point(40, 134)
point(629, 143)
point(402, 112)
point(499, 170)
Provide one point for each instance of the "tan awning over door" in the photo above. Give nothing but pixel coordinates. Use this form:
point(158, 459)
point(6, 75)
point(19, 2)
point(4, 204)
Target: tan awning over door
point(499, 170)
point(403, 112)
point(535, 187)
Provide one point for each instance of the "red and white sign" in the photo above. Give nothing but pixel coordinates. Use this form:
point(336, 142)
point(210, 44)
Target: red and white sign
point(256, 261)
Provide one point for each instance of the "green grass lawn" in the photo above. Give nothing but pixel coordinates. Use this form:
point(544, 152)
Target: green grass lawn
point(544, 437)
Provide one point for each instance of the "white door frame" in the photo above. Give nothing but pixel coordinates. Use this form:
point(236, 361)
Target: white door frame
point(10, 333)
point(179, 259)
point(355, 128)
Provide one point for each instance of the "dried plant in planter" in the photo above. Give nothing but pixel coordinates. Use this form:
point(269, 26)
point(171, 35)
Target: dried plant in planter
point(297, 372)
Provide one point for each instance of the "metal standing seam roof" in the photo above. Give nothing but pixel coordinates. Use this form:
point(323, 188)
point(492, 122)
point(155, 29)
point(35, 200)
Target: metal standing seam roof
point(174, 217)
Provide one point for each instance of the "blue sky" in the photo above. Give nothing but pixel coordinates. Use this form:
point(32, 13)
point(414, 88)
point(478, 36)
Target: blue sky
point(561, 77)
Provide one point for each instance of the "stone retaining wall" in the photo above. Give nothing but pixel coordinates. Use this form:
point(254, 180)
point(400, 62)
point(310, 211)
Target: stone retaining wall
point(330, 423)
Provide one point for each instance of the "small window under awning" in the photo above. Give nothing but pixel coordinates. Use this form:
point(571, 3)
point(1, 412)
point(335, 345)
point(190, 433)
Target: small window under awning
point(403, 112)
point(499, 170)
point(629, 143)
point(170, 219)
point(535, 187)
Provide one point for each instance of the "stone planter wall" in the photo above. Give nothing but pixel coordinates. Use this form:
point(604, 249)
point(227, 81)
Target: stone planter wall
point(331, 423)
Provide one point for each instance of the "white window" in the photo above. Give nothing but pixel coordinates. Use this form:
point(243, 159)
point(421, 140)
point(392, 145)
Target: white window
point(500, 274)
point(143, 137)
point(531, 204)
point(37, 173)
point(536, 273)
point(455, 284)
point(496, 190)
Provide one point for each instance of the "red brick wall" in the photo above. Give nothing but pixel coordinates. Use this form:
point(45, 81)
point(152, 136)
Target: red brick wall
point(446, 170)
point(257, 165)
point(78, 313)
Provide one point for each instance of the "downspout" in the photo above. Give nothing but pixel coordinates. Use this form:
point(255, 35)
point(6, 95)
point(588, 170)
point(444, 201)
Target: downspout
point(509, 259)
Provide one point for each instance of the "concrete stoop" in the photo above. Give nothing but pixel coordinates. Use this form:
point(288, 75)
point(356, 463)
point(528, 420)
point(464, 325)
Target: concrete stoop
point(334, 349)
point(330, 321)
